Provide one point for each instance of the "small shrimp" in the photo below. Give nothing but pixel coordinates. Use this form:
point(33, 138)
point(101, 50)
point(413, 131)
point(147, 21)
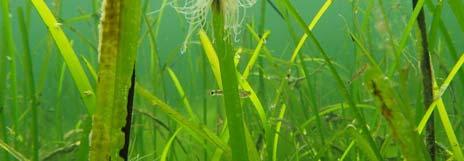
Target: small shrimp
point(219, 92)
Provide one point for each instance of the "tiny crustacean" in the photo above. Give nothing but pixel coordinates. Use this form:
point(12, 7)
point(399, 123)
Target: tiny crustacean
point(294, 81)
point(219, 92)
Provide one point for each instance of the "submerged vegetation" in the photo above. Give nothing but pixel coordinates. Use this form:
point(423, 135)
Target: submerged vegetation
point(231, 80)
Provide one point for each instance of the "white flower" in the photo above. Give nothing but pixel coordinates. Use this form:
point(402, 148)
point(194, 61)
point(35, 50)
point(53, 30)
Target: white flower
point(196, 12)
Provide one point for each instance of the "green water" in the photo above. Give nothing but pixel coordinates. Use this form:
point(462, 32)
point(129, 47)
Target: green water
point(60, 112)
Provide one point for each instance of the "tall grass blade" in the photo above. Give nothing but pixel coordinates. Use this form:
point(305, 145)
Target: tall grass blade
point(444, 117)
point(341, 86)
point(255, 101)
point(277, 132)
point(225, 54)
point(224, 134)
point(197, 129)
point(3, 77)
point(9, 42)
point(456, 7)
point(347, 150)
point(59, 107)
point(252, 151)
point(164, 154)
point(92, 71)
point(301, 42)
point(450, 76)
point(182, 95)
point(214, 63)
point(69, 56)
point(427, 80)
point(334, 108)
point(254, 56)
point(405, 35)
point(212, 56)
point(363, 144)
point(311, 26)
point(438, 102)
point(12, 151)
point(30, 84)
point(393, 110)
point(294, 55)
point(119, 32)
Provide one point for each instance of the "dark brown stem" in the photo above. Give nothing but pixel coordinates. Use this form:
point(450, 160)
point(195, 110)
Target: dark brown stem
point(427, 82)
point(124, 152)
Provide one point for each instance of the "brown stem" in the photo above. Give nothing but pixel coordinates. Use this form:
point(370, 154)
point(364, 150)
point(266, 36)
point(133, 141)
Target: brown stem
point(124, 152)
point(427, 82)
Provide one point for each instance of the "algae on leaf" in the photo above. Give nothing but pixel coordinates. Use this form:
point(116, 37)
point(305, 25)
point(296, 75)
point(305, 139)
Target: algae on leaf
point(397, 116)
point(119, 30)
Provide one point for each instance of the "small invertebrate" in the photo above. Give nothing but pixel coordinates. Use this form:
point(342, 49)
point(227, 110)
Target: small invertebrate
point(219, 92)
point(294, 81)
point(88, 93)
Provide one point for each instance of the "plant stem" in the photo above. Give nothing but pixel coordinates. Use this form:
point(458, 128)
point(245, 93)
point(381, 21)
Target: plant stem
point(262, 85)
point(204, 62)
point(29, 75)
point(341, 86)
point(127, 128)
point(234, 110)
point(11, 53)
point(119, 32)
point(427, 83)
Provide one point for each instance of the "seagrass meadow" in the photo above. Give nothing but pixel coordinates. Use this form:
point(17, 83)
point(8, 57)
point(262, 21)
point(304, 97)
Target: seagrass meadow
point(231, 80)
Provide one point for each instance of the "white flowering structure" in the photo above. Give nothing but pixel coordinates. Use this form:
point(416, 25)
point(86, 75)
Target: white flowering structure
point(197, 11)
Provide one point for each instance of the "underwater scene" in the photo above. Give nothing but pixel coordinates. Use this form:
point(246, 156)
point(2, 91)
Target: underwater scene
point(231, 80)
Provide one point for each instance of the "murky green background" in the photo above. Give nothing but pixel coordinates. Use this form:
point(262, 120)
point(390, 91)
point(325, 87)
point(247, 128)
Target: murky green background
point(332, 31)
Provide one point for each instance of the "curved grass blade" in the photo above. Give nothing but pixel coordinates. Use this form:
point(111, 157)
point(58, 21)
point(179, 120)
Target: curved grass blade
point(251, 147)
point(333, 108)
point(60, 152)
point(182, 95)
point(214, 62)
point(92, 71)
point(268, 55)
point(255, 101)
point(212, 56)
point(405, 35)
point(311, 26)
point(197, 129)
point(301, 42)
point(363, 143)
point(164, 154)
point(457, 152)
point(254, 56)
point(458, 155)
point(442, 90)
point(277, 133)
point(225, 138)
point(446, 124)
point(341, 86)
point(450, 76)
point(347, 150)
point(69, 56)
point(393, 110)
point(12, 151)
